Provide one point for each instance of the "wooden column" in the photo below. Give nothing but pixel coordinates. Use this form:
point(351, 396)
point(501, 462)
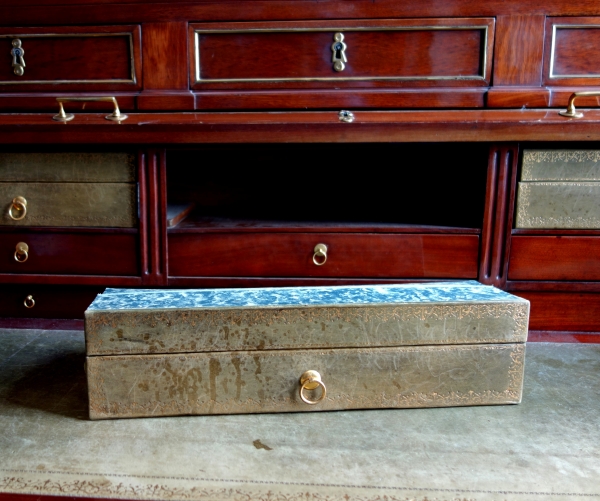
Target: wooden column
point(153, 217)
point(498, 215)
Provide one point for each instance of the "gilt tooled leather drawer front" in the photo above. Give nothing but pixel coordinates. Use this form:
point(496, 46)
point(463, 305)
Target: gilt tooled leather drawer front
point(340, 255)
point(68, 189)
point(71, 58)
point(438, 52)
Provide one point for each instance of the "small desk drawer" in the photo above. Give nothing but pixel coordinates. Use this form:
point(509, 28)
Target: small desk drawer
point(69, 204)
point(554, 258)
point(572, 49)
point(90, 57)
point(327, 54)
point(348, 255)
point(38, 301)
point(65, 253)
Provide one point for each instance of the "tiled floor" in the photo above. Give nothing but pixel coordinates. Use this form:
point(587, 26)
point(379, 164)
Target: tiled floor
point(548, 447)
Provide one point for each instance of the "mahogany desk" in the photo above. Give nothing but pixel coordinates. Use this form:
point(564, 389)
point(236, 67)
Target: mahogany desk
point(236, 107)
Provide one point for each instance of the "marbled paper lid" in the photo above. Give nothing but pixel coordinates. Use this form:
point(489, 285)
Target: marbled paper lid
point(291, 297)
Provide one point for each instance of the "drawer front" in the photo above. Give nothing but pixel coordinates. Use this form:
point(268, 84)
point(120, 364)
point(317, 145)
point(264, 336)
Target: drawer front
point(572, 49)
point(69, 253)
point(69, 204)
point(561, 165)
point(102, 57)
point(562, 311)
point(268, 381)
point(428, 51)
point(73, 167)
point(558, 205)
point(554, 258)
point(35, 301)
point(348, 255)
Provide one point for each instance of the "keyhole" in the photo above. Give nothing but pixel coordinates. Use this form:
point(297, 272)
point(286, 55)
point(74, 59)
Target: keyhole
point(338, 51)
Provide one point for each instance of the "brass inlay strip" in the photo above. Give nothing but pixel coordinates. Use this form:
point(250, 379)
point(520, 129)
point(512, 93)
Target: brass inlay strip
point(556, 27)
point(480, 77)
point(132, 80)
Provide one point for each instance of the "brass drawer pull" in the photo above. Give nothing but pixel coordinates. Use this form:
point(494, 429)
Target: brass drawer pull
point(21, 252)
point(18, 57)
point(339, 52)
point(571, 112)
point(311, 380)
point(320, 254)
point(18, 209)
point(116, 115)
point(29, 301)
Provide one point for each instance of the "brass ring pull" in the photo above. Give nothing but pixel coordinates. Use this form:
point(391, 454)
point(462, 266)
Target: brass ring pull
point(20, 205)
point(571, 112)
point(311, 380)
point(21, 252)
point(116, 115)
point(29, 301)
point(320, 254)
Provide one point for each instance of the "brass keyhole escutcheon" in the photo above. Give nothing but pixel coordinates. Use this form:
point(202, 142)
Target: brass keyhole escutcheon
point(338, 48)
point(18, 57)
point(310, 381)
point(320, 254)
point(29, 301)
point(21, 252)
point(18, 209)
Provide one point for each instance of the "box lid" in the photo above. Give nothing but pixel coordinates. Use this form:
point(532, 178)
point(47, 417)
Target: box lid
point(170, 321)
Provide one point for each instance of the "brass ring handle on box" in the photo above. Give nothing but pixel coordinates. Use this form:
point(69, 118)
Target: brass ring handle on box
point(29, 301)
point(116, 115)
point(21, 252)
point(571, 112)
point(20, 204)
point(311, 380)
point(320, 251)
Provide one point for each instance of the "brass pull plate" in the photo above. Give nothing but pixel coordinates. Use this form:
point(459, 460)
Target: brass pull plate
point(571, 112)
point(18, 209)
point(310, 381)
point(115, 116)
point(18, 57)
point(338, 47)
point(320, 254)
point(21, 252)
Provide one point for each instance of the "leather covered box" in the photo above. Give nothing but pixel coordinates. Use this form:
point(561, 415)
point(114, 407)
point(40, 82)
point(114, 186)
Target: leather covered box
point(173, 352)
point(559, 189)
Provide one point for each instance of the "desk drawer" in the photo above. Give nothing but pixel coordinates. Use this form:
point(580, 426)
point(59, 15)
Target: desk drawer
point(572, 51)
point(69, 204)
point(36, 301)
point(327, 54)
point(65, 253)
point(96, 57)
point(348, 255)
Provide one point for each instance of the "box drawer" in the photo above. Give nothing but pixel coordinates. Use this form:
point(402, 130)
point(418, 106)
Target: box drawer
point(269, 381)
point(554, 258)
point(69, 204)
point(348, 255)
point(357, 53)
point(74, 57)
point(66, 253)
point(35, 301)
